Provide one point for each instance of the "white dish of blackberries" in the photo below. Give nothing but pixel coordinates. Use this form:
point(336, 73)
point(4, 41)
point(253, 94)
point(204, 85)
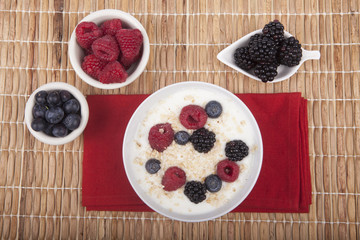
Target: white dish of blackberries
point(269, 55)
point(192, 151)
point(56, 113)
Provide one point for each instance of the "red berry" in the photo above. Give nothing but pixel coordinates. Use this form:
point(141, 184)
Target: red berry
point(161, 136)
point(113, 72)
point(227, 170)
point(106, 48)
point(92, 65)
point(193, 117)
point(111, 26)
point(130, 42)
point(87, 33)
point(173, 179)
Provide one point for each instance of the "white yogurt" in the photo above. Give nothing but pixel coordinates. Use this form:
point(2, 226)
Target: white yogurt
point(231, 125)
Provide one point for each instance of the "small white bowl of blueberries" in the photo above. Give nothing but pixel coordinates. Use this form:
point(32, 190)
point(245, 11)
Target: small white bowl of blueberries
point(56, 113)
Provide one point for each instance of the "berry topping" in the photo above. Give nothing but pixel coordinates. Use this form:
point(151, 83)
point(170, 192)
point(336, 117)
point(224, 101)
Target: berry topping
point(87, 33)
point(40, 97)
point(113, 72)
point(193, 117)
point(266, 71)
point(93, 65)
point(161, 136)
point(71, 106)
point(72, 121)
point(53, 98)
point(65, 95)
point(54, 115)
point(227, 170)
point(290, 52)
point(181, 137)
point(213, 109)
point(242, 58)
point(59, 130)
point(262, 49)
point(274, 30)
point(111, 26)
point(195, 191)
point(106, 48)
point(152, 166)
point(173, 179)
point(38, 124)
point(203, 140)
point(236, 150)
point(213, 183)
point(39, 111)
point(130, 42)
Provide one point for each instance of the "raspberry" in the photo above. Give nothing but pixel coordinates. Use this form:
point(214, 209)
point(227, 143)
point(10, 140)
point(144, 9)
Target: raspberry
point(87, 33)
point(93, 65)
point(111, 26)
point(227, 170)
point(113, 72)
point(161, 136)
point(193, 117)
point(130, 42)
point(173, 179)
point(106, 48)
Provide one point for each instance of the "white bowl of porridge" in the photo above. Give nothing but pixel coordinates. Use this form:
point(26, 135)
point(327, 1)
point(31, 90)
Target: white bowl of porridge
point(191, 195)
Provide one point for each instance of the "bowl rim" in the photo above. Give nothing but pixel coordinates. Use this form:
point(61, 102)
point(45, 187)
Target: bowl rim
point(127, 164)
point(110, 14)
point(75, 133)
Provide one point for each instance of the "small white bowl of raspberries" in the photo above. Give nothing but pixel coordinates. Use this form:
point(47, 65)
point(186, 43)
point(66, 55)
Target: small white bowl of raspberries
point(109, 49)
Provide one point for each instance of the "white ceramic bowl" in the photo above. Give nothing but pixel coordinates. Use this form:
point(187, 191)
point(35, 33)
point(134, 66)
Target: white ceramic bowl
point(227, 57)
point(75, 133)
point(130, 152)
point(76, 53)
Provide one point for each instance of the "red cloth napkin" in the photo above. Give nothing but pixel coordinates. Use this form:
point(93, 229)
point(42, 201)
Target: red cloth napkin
point(284, 184)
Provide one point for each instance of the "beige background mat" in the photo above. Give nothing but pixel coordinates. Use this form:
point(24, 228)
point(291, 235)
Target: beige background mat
point(40, 185)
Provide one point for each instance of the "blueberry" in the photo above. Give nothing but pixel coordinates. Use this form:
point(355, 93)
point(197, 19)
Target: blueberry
point(71, 106)
point(53, 98)
point(59, 130)
point(38, 124)
point(40, 97)
point(72, 121)
point(181, 137)
point(65, 96)
point(213, 109)
point(39, 111)
point(213, 183)
point(152, 166)
point(54, 115)
point(48, 129)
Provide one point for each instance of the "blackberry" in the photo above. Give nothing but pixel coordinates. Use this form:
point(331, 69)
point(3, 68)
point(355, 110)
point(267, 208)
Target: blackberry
point(266, 71)
point(203, 140)
point(236, 150)
point(195, 191)
point(242, 58)
point(262, 49)
point(274, 30)
point(290, 52)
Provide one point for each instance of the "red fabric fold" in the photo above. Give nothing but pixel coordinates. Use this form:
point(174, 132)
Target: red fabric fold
point(284, 183)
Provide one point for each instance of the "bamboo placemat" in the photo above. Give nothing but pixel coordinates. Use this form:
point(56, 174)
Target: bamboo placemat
point(40, 185)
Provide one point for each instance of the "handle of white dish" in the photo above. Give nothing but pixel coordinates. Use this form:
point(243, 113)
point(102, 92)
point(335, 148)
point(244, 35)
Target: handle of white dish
point(311, 54)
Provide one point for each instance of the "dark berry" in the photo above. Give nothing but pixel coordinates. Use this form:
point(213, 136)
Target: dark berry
point(65, 96)
point(71, 106)
point(262, 49)
point(242, 58)
point(236, 150)
point(173, 179)
point(195, 191)
point(48, 129)
point(38, 124)
point(59, 130)
point(152, 166)
point(40, 97)
point(213, 109)
point(39, 111)
point(54, 115)
point(181, 137)
point(274, 30)
point(213, 183)
point(53, 98)
point(227, 170)
point(72, 121)
point(193, 117)
point(203, 140)
point(161, 136)
point(266, 71)
point(290, 52)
